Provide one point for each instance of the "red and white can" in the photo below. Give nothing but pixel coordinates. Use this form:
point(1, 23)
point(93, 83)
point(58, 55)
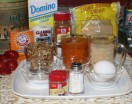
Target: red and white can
point(42, 34)
point(58, 85)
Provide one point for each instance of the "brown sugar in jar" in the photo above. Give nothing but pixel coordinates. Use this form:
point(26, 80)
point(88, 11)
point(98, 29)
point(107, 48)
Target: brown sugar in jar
point(75, 49)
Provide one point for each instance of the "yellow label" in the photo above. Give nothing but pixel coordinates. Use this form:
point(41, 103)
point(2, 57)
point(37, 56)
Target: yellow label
point(59, 91)
point(40, 12)
point(46, 19)
point(101, 11)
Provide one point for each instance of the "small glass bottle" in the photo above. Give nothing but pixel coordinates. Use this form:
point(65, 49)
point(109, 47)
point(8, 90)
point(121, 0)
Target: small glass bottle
point(62, 27)
point(76, 79)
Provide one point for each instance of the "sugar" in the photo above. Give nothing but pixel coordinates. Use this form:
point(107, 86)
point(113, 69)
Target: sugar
point(41, 12)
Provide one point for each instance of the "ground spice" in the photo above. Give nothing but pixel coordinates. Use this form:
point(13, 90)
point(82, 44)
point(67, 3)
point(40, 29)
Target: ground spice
point(62, 26)
point(58, 83)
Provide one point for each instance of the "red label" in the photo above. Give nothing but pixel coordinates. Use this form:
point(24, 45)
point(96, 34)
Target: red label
point(63, 30)
point(22, 39)
point(43, 33)
point(56, 85)
point(129, 18)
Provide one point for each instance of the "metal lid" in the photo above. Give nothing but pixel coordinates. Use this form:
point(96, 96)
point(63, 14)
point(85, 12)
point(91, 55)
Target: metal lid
point(76, 65)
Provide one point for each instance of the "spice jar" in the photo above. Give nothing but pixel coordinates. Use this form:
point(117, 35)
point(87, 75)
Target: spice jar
point(58, 83)
point(128, 13)
point(76, 79)
point(62, 26)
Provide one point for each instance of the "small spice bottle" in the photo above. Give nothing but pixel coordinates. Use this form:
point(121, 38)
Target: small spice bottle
point(76, 79)
point(128, 13)
point(58, 85)
point(62, 27)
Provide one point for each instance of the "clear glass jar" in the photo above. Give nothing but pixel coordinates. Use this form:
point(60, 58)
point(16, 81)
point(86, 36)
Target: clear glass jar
point(76, 79)
point(75, 49)
point(39, 57)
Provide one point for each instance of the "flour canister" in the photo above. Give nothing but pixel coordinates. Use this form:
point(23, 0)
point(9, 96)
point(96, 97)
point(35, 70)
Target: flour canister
point(42, 34)
point(13, 16)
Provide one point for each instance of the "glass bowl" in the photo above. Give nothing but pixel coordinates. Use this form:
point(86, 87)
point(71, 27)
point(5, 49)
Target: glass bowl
point(104, 81)
point(35, 79)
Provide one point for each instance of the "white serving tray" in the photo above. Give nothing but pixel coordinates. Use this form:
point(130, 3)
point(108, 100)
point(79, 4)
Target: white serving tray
point(21, 88)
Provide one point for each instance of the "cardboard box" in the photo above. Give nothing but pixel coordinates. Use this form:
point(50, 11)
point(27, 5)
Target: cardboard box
point(40, 12)
point(18, 41)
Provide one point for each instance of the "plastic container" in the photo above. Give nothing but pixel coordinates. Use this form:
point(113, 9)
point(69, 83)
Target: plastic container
point(128, 13)
point(58, 83)
point(62, 26)
point(42, 34)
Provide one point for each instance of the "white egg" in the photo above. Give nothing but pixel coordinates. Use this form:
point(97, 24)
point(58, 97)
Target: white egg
point(104, 70)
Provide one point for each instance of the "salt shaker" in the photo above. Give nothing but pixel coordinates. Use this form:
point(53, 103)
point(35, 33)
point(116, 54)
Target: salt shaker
point(76, 79)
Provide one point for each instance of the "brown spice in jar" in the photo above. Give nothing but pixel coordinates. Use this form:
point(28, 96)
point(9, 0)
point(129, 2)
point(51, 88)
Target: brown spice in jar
point(62, 27)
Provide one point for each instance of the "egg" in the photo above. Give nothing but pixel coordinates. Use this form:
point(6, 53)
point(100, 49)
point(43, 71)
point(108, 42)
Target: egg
point(104, 70)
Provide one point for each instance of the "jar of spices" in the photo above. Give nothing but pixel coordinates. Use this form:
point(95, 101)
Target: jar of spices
point(58, 83)
point(76, 79)
point(128, 13)
point(62, 26)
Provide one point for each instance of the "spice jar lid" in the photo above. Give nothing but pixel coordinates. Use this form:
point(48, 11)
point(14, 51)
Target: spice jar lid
point(58, 75)
point(76, 65)
point(62, 16)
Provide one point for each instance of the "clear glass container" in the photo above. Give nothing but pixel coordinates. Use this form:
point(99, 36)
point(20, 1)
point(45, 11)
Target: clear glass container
point(39, 57)
point(33, 79)
point(76, 79)
point(104, 81)
point(104, 47)
point(75, 49)
point(105, 66)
